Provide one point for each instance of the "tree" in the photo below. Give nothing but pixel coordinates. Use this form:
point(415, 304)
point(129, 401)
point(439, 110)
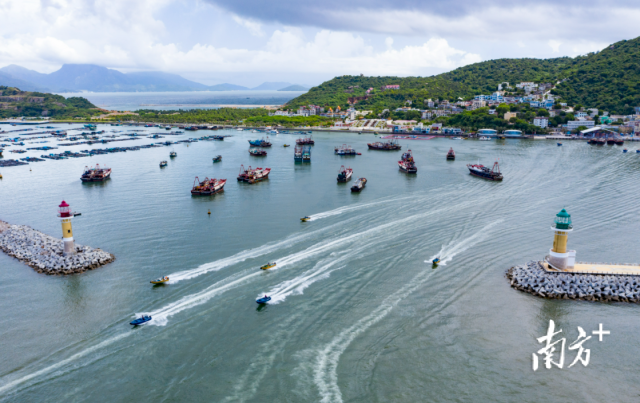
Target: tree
point(542, 112)
point(581, 128)
point(577, 107)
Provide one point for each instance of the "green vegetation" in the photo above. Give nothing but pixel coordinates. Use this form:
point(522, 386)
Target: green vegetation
point(222, 115)
point(481, 119)
point(287, 121)
point(608, 80)
point(16, 103)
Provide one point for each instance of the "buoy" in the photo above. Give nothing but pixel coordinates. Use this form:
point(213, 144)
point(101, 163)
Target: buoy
point(209, 212)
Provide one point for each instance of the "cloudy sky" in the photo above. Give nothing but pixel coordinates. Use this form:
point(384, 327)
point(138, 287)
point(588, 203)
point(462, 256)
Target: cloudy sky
point(247, 42)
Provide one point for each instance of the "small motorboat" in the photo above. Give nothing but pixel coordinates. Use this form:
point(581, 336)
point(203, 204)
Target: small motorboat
point(287, 145)
point(161, 280)
point(637, 152)
point(483, 138)
point(263, 300)
point(435, 261)
point(559, 144)
point(217, 158)
point(163, 164)
point(75, 214)
point(625, 150)
point(268, 266)
point(305, 218)
point(173, 154)
point(141, 321)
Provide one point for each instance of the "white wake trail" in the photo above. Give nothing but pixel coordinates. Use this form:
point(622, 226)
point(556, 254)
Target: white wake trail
point(447, 252)
point(346, 209)
point(325, 373)
point(12, 384)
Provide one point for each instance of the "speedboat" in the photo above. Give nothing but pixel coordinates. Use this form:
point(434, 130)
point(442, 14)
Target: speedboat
point(625, 150)
point(435, 261)
point(286, 145)
point(161, 280)
point(268, 266)
point(217, 158)
point(305, 218)
point(263, 300)
point(559, 144)
point(141, 321)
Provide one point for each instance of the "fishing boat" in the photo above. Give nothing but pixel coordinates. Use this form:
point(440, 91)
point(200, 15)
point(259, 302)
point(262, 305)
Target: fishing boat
point(268, 266)
point(218, 137)
point(481, 171)
point(217, 158)
point(451, 155)
point(260, 143)
point(257, 153)
point(173, 154)
point(161, 280)
point(344, 174)
point(96, 174)
point(359, 185)
point(253, 175)
point(305, 218)
point(435, 261)
point(163, 164)
point(207, 187)
point(610, 141)
point(618, 141)
point(263, 300)
point(141, 321)
point(407, 164)
point(297, 154)
point(305, 141)
point(344, 150)
point(306, 153)
point(168, 128)
point(390, 145)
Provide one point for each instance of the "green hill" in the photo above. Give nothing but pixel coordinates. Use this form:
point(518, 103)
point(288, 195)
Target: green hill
point(608, 80)
point(15, 103)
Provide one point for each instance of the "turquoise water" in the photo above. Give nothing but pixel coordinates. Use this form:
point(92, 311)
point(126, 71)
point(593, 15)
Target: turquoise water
point(358, 313)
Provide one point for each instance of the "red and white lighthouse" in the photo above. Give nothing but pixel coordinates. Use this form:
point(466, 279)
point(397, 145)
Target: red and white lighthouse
point(66, 215)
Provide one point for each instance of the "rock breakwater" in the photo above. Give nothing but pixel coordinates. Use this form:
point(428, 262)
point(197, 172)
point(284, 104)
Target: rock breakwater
point(44, 252)
point(532, 278)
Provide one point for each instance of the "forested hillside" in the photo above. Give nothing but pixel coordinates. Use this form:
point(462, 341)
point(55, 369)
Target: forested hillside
point(608, 80)
point(16, 103)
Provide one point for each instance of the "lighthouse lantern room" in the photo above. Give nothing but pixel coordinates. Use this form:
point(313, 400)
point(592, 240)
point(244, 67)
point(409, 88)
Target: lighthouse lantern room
point(66, 215)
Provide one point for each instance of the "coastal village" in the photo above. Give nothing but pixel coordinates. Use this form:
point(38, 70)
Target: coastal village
point(537, 98)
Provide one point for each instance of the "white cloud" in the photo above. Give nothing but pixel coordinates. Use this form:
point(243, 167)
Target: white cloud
point(554, 45)
point(255, 28)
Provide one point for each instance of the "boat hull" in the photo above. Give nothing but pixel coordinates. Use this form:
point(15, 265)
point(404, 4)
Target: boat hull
point(487, 177)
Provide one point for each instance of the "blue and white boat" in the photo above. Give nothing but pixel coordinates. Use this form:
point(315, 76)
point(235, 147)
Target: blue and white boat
point(263, 300)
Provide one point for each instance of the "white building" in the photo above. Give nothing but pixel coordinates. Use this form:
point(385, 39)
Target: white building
point(574, 124)
point(580, 114)
point(541, 121)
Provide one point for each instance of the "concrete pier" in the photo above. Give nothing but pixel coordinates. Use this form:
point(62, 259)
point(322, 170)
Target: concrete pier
point(45, 253)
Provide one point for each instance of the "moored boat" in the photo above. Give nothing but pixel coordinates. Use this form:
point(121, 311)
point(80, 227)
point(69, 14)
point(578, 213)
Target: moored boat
point(173, 154)
point(96, 174)
point(344, 174)
point(359, 185)
point(253, 175)
point(257, 153)
point(217, 158)
point(268, 266)
point(345, 150)
point(163, 164)
point(260, 143)
point(207, 187)
point(305, 141)
point(161, 280)
point(390, 145)
point(481, 171)
point(451, 155)
point(483, 138)
point(407, 164)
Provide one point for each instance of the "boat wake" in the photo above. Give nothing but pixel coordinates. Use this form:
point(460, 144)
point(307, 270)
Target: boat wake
point(346, 209)
point(447, 252)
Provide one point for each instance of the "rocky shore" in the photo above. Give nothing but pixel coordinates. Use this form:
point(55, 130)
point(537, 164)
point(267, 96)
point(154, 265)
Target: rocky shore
point(532, 278)
point(44, 252)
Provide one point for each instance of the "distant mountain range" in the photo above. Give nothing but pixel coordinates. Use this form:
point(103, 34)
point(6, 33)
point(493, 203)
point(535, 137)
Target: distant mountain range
point(89, 77)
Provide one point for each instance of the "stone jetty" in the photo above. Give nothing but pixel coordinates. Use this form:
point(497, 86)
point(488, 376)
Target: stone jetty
point(532, 278)
point(44, 252)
